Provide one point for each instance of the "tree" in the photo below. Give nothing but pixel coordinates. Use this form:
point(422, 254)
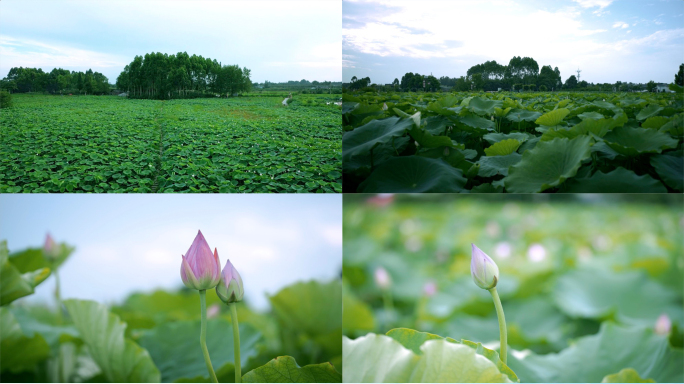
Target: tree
point(571, 82)
point(679, 76)
point(79, 84)
point(432, 84)
point(651, 86)
point(478, 81)
point(395, 83)
point(547, 77)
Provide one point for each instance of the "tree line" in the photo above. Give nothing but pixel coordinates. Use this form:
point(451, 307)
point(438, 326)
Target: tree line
point(521, 73)
point(22, 80)
point(162, 76)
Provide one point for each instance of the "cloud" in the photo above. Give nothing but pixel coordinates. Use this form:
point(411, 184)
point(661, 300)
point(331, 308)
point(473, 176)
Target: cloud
point(390, 35)
point(593, 3)
point(31, 53)
point(620, 24)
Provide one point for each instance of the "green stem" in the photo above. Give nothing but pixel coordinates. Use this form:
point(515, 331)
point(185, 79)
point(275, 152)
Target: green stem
point(502, 324)
point(387, 300)
point(203, 335)
point(58, 297)
point(236, 343)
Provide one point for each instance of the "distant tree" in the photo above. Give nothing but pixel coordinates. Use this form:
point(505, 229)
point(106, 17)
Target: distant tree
point(79, 84)
point(651, 86)
point(543, 88)
point(8, 85)
point(478, 81)
point(571, 82)
point(395, 83)
point(5, 99)
point(547, 77)
point(411, 81)
point(679, 76)
point(462, 84)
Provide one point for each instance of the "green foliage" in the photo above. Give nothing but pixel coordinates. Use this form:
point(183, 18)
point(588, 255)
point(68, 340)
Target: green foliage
point(620, 130)
point(575, 295)
point(174, 348)
point(612, 348)
point(153, 337)
point(413, 340)
point(16, 283)
point(20, 351)
point(121, 359)
point(284, 369)
point(101, 145)
point(627, 375)
point(548, 165)
point(414, 174)
point(5, 99)
point(503, 147)
point(381, 359)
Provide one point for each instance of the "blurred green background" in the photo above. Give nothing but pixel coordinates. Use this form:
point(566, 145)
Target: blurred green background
point(567, 263)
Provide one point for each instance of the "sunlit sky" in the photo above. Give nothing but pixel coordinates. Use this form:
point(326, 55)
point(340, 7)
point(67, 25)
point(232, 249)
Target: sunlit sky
point(608, 40)
point(127, 243)
point(277, 40)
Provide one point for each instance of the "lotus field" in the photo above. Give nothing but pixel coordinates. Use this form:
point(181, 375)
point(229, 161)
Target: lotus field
point(597, 302)
point(155, 336)
point(105, 144)
point(513, 142)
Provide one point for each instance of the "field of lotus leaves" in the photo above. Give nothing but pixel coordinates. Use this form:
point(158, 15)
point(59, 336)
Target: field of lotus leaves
point(513, 142)
point(591, 287)
point(105, 144)
point(153, 337)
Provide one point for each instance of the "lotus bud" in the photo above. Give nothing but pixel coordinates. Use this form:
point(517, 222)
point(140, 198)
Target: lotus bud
point(50, 248)
point(663, 325)
point(483, 269)
point(430, 288)
point(230, 288)
point(382, 278)
point(200, 268)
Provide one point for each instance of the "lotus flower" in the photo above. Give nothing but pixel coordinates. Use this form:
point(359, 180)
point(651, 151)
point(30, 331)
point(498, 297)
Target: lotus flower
point(50, 248)
point(663, 325)
point(382, 278)
point(200, 268)
point(483, 269)
point(230, 288)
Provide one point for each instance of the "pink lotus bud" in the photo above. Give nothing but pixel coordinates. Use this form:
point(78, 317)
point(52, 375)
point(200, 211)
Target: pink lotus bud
point(663, 325)
point(50, 248)
point(200, 268)
point(382, 278)
point(430, 288)
point(230, 288)
point(483, 269)
point(213, 311)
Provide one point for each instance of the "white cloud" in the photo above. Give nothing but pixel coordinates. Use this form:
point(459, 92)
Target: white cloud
point(19, 52)
point(593, 3)
point(620, 24)
point(392, 35)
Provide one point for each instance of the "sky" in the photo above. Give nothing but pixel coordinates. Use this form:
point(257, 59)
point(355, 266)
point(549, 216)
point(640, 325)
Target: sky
point(133, 243)
point(277, 40)
point(608, 40)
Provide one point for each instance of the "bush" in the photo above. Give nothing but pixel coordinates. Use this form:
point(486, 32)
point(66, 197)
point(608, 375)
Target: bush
point(5, 99)
point(543, 88)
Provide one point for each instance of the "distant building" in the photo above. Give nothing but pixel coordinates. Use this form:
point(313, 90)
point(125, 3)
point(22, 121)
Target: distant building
point(660, 87)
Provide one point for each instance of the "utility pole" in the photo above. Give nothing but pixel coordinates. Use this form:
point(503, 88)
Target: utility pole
point(578, 74)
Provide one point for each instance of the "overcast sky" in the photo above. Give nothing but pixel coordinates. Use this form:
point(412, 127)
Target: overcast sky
point(127, 243)
point(609, 40)
point(277, 40)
